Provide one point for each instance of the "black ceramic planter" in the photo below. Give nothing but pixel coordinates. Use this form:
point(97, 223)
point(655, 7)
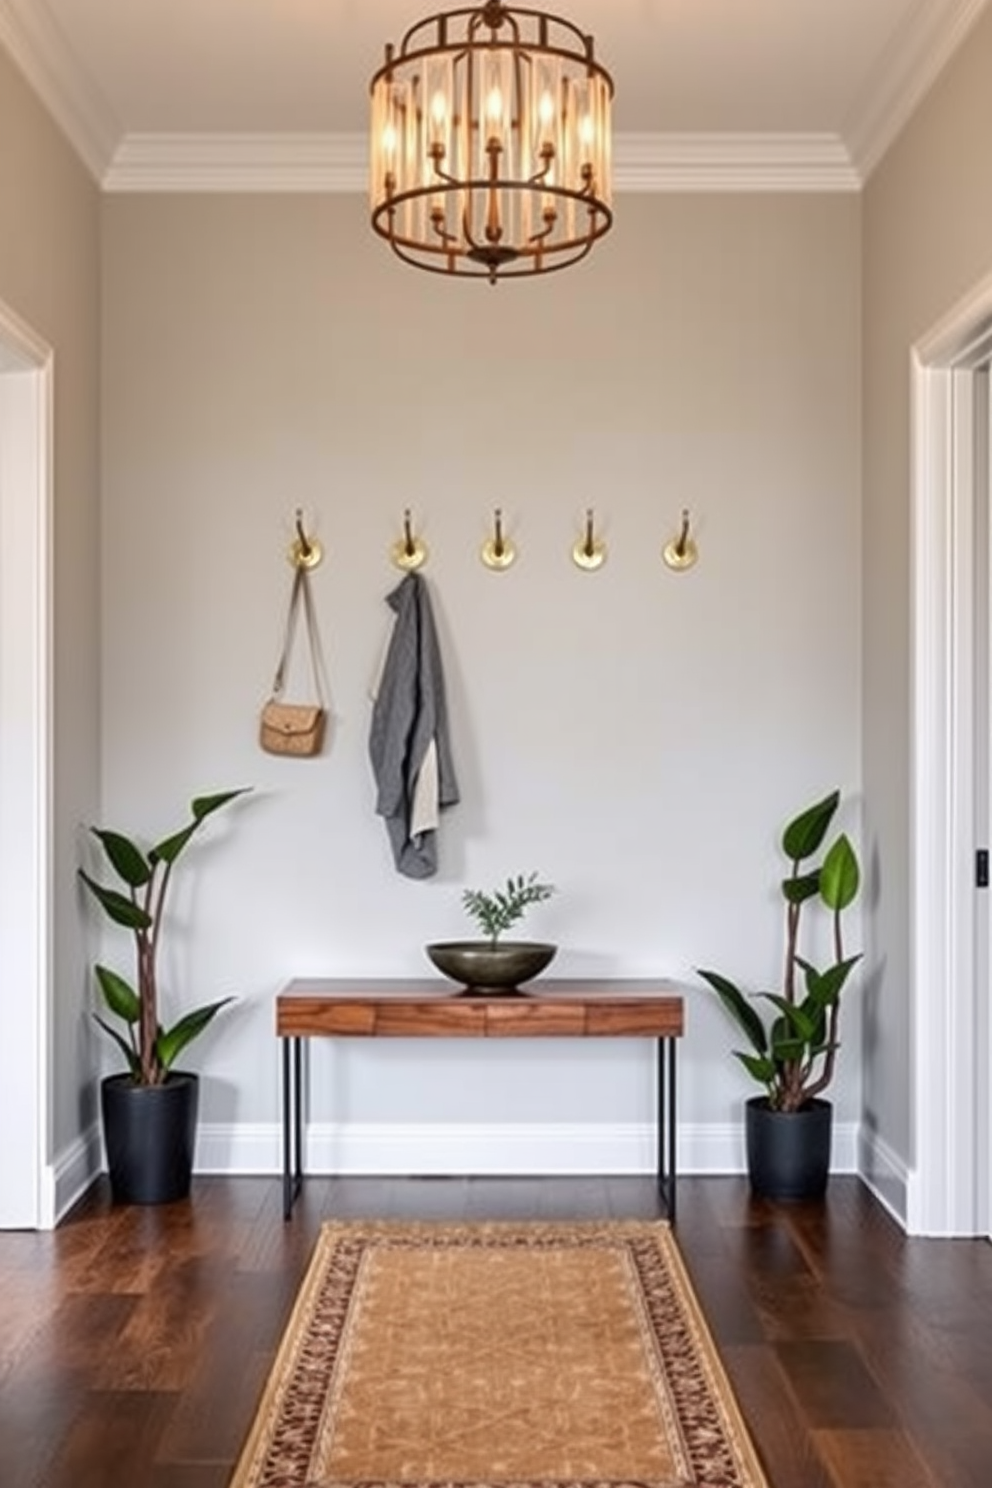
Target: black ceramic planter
point(788, 1152)
point(150, 1133)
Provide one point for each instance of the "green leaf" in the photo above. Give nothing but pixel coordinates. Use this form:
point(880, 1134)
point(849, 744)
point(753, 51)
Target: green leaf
point(738, 1007)
point(204, 806)
point(121, 910)
point(787, 1051)
point(805, 833)
point(168, 850)
point(760, 1069)
point(133, 1062)
point(840, 876)
point(799, 1023)
point(170, 1043)
point(801, 886)
point(119, 995)
point(126, 859)
point(499, 910)
point(817, 1013)
point(825, 987)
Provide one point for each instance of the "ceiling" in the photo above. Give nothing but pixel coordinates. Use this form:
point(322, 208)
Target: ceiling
point(122, 75)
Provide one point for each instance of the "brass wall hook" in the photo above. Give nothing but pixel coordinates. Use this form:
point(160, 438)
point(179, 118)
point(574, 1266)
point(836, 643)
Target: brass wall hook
point(409, 552)
point(305, 552)
point(681, 553)
point(498, 551)
point(589, 551)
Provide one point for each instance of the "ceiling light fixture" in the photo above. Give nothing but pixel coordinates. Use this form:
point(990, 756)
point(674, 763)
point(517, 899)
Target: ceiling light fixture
point(491, 143)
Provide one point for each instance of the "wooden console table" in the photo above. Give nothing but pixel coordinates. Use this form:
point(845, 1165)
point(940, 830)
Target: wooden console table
point(316, 1008)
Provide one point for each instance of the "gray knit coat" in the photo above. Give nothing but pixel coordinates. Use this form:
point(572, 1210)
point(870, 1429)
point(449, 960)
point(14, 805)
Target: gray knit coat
point(410, 710)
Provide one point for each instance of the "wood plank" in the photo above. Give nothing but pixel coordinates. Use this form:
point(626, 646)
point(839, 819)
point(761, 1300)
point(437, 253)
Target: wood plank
point(873, 1459)
point(304, 1017)
point(776, 1422)
point(188, 1475)
point(516, 1017)
point(452, 1017)
point(159, 1348)
point(39, 1399)
point(833, 1384)
point(104, 1446)
point(661, 1019)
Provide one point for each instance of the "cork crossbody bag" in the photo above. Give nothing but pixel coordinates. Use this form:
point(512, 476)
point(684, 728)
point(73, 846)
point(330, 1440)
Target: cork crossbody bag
point(295, 728)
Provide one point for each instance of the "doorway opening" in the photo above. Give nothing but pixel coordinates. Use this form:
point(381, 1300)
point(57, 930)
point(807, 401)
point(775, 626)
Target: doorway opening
point(27, 1197)
point(948, 1191)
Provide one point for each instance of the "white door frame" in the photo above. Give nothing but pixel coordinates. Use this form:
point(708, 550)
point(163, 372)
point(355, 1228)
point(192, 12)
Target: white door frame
point(944, 1193)
point(27, 1196)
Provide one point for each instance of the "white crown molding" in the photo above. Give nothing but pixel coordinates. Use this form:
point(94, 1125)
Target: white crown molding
point(732, 162)
point(239, 162)
point(314, 162)
point(908, 69)
point(38, 48)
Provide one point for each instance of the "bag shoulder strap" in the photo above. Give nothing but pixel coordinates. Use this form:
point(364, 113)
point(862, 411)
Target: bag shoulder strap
point(300, 594)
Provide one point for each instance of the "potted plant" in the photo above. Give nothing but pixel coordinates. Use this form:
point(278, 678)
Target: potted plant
point(494, 964)
point(149, 1112)
point(793, 1049)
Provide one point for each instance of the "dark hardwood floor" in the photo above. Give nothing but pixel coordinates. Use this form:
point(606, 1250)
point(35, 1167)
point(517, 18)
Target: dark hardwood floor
point(134, 1342)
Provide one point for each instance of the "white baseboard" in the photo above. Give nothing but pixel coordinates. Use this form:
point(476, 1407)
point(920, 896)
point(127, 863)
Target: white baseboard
point(493, 1149)
point(885, 1174)
point(546, 1148)
point(71, 1174)
point(484, 1149)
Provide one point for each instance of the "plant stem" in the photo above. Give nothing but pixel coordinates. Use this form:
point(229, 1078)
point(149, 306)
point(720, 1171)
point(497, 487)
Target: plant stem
point(827, 1073)
point(147, 990)
point(149, 1020)
point(791, 1082)
point(791, 942)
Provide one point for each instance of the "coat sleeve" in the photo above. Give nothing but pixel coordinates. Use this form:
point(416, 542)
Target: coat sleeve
point(395, 706)
point(434, 696)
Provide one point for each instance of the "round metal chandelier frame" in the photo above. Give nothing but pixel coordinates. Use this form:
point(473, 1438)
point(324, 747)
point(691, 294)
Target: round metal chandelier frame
point(491, 150)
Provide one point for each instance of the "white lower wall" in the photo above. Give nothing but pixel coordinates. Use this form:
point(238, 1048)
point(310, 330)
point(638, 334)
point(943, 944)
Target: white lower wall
point(885, 1173)
point(488, 1149)
point(483, 1149)
point(73, 1171)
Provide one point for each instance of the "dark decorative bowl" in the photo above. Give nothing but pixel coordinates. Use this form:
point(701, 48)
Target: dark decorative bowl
point(483, 968)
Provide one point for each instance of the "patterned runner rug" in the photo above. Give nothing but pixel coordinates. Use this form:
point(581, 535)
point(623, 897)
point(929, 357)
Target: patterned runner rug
point(497, 1356)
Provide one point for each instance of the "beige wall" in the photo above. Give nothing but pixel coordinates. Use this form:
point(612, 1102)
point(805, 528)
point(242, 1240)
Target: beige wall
point(636, 736)
point(927, 240)
point(49, 275)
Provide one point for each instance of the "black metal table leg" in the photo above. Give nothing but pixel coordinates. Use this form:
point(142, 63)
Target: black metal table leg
point(666, 1123)
point(292, 1123)
point(672, 1126)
